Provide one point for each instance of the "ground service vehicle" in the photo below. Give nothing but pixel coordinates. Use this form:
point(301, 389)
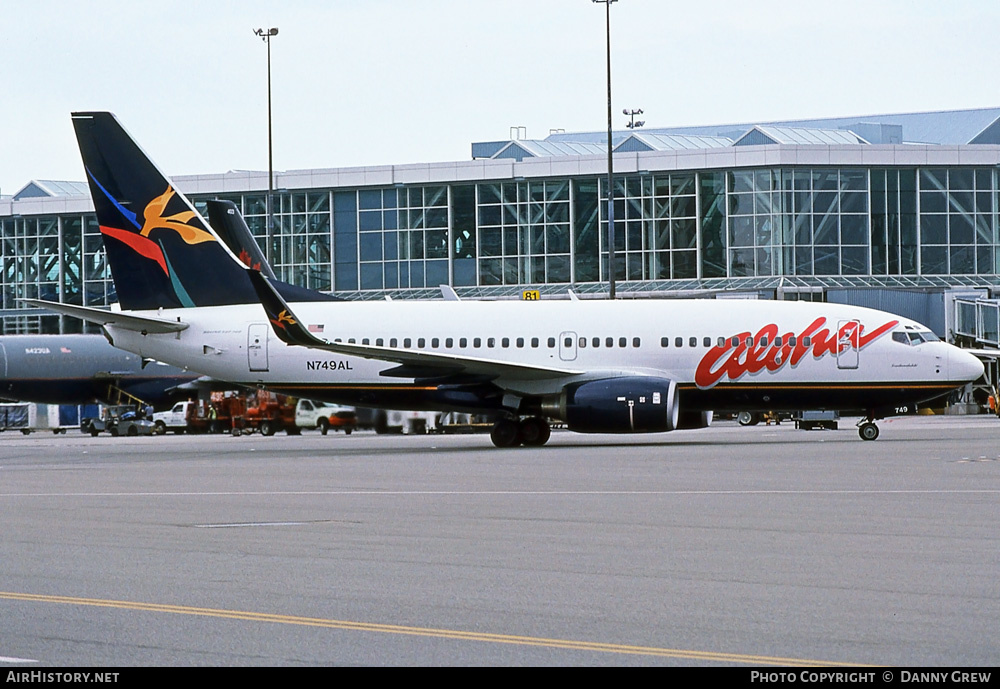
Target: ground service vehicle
point(325, 416)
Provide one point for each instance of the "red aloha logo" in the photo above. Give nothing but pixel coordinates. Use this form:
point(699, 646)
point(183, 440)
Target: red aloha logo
point(733, 361)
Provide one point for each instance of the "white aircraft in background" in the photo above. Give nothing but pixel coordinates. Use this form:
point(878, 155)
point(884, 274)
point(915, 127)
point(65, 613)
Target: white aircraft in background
point(599, 366)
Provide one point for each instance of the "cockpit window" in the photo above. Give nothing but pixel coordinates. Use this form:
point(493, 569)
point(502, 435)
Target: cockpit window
point(913, 337)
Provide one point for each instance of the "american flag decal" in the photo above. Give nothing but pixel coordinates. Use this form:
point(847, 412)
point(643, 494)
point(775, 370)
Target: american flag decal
point(313, 328)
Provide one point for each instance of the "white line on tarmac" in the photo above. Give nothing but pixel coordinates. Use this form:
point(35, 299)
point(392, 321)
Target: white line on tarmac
point(389, 493)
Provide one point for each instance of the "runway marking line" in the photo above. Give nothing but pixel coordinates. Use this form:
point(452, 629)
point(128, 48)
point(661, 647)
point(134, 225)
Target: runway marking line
point(5, 659)
point(390, 493)
point(453, 634)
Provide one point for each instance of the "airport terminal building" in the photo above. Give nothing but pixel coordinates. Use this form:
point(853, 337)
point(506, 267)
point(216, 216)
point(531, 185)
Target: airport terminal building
point(895, 211)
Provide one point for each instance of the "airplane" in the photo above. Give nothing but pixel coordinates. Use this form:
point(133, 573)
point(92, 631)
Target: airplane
point(77, 369)
point(624, 366)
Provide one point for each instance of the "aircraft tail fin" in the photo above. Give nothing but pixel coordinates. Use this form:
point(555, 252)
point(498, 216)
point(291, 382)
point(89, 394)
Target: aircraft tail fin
point(162, 253)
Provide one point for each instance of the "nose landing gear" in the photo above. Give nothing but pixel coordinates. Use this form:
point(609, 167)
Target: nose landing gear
point(867, 428)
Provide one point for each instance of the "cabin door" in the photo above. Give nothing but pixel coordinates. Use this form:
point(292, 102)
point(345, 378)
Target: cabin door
point(848, 344)
point(567, 346)
point(257, 346)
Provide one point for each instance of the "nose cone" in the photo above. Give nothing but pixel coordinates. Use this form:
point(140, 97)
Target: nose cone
point(964, 367)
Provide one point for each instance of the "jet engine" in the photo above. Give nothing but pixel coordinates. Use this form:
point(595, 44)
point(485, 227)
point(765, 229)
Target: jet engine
point(630, 404)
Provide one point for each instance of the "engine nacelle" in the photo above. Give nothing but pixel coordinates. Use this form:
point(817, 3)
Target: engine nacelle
point(631, 404)
point(690, 420)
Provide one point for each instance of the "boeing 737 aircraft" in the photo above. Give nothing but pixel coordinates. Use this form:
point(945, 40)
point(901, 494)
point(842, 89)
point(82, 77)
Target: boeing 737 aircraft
point(599, 366)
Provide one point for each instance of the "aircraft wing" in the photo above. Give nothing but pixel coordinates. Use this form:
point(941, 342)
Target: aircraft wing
point(289, 330)
point(140, 324)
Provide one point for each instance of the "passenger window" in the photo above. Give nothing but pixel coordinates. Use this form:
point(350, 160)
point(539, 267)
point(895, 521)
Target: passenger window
point(791, 341)
point(379, 342)
point(693, 341)
point(435, 343)
point(735, 342)
point(636, 342)
point(552, 342)
point(393, 342)
point(807, 341)
point(583, 342)
point(477, 342)
point(596, 342)
point(622, 342)
point(777, 341)
point(664, 341)
point(365, 341)
point(491, 342)
point(568, 342)
point(534, 342)
point(519, 342)
point(449, 342)
point(748, 342)
point(609, 342)
point(722, 342)
point(350, 340)
point(463, 342)
point(706, 342)
point(763, 341)
point(407, 342)
point(505, 342)
point(678, 342)
point(421, 343)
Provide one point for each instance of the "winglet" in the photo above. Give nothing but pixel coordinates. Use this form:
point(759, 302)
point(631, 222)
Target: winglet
point(284, 323)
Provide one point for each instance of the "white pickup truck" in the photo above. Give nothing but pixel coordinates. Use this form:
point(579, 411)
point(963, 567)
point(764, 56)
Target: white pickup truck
point(174, 420)
point(325, 416)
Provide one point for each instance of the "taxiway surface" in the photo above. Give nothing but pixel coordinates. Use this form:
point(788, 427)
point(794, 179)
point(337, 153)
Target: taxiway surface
point(737, 546)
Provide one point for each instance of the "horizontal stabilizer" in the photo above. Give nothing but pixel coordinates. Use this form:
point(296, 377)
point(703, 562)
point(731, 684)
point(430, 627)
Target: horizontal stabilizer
point(140, 324)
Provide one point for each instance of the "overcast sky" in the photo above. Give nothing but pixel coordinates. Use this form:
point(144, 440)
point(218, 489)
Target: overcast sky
point(375, 82)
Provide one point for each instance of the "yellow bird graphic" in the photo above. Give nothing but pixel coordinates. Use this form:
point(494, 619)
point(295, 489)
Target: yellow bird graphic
point(153, 219)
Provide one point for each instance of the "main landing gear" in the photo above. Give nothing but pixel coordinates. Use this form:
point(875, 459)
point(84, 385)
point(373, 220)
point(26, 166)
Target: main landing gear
point(867, 428)
point(533, 431)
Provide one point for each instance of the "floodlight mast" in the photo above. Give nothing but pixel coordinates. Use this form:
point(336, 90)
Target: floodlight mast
point(269, 228)
point(611, 188)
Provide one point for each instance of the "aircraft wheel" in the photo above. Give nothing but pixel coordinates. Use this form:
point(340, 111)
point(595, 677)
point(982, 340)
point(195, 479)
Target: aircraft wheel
point(506, 433)
point(535, 431)
point(868, 431)
point(748, 418)
point(324, 426)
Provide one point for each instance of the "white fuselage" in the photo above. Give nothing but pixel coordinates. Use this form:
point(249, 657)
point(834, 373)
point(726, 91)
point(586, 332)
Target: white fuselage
point(723, 354)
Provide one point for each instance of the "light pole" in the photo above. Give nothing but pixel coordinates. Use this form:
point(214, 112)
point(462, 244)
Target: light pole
point(269, 228)
point(611, 189)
